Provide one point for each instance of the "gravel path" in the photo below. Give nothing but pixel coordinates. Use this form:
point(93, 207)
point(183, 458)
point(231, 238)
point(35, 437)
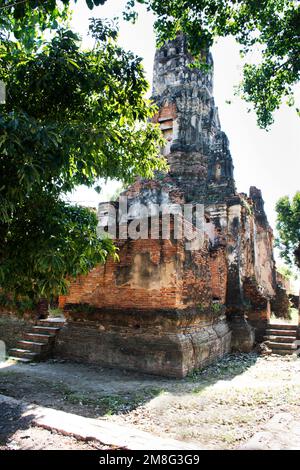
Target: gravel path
point(220, 408)
point(18, 433)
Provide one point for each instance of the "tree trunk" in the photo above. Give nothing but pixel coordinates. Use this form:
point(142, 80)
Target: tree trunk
point(42, 309)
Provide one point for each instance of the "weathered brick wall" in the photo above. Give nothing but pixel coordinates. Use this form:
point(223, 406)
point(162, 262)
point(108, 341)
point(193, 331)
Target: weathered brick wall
point(167, 112)
point(265, 269)
point(165, 184)
point(218, 269)
point(153, 274)
point(147, 276)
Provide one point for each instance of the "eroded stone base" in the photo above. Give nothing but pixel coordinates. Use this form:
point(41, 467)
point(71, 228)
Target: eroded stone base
point(168, 343)
point(243, 335)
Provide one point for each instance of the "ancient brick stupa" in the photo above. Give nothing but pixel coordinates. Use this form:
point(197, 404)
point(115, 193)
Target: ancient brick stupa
point(165, 308)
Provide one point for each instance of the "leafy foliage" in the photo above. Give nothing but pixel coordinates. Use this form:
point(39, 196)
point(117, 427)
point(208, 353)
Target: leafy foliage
point(271, 26)
point(70, 117)
point(288, 227)
point(286, 272)
point(48, 242)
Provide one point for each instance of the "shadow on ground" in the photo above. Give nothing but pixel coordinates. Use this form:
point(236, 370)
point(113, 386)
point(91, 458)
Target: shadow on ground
point(12, 420)
point(96, 392)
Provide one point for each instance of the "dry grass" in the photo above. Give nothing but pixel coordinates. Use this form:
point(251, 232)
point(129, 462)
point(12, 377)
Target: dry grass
point(218, 408)
point(223, 414)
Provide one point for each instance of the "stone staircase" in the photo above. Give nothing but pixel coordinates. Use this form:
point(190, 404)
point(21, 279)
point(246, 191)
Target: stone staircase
point(281, 339)
point(37, 343)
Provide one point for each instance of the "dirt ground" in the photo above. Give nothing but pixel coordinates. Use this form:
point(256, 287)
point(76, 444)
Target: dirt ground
point(218, 408)
point(18, 433)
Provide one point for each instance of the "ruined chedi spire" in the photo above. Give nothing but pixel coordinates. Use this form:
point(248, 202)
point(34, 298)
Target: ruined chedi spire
point(197, 150)
point(168, 306)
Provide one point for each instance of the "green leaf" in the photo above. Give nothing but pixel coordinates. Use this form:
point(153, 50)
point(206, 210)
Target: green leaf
point(90, 4)
point(60, 128)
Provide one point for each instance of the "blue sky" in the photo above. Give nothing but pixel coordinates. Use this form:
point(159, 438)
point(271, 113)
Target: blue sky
point(268, 160)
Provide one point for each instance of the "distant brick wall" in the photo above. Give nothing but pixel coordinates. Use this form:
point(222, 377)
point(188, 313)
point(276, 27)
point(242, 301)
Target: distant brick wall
point(283, 281)
point(12, 329)
point(281, 303)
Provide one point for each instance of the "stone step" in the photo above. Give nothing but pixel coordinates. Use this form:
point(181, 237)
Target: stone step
point(33, 346)
point(273, 332)
point(274, 326)
point(39, 337)
point(23, 353)
point(19, 359)
point(47, 330)
point(57, 323)
point(284, 352)
point(274, 345)
point(280, 339)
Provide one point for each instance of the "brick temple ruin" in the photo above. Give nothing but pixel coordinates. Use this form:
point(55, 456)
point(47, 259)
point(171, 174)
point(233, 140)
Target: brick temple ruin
point(163, 308)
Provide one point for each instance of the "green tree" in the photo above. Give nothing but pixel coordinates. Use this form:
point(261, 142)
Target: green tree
point(288, 227)
point(47, 243)
point(70, 117)
point(286, 272)
point(269, 26)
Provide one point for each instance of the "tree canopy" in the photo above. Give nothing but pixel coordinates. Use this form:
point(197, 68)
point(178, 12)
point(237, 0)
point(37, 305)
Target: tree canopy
point(288, 227)
point(270, 26)
point(70, 117)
